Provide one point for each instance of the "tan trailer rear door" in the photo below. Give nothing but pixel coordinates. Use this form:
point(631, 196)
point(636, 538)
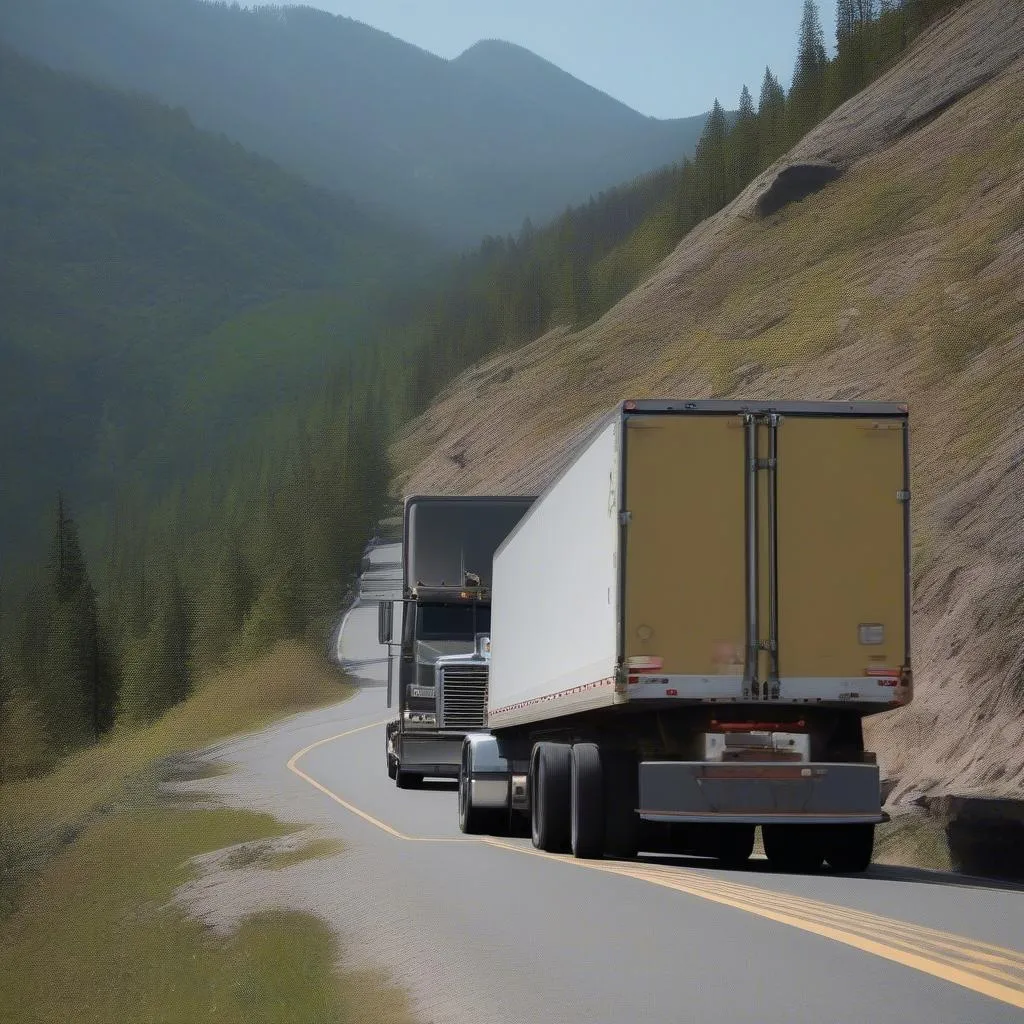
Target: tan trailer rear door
point(685, 597)
point(841, 541)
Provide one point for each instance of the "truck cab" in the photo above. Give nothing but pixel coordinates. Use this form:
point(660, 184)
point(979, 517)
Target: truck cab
point(448, 545)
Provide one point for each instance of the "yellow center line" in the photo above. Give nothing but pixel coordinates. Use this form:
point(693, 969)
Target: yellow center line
point(293, 766)
point(981, 951)
point(971, 964)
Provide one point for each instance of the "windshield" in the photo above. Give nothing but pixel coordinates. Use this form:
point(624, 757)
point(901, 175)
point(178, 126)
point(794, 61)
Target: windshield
point(452, 621)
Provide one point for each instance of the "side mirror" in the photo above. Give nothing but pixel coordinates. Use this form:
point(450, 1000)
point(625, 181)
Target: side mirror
point(385, 620)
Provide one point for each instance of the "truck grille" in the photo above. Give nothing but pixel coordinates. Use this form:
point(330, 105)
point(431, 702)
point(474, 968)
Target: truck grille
point(463, 696)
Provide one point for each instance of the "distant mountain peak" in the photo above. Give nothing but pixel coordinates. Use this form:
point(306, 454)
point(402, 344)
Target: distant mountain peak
point(515, 67)
point(493, 47)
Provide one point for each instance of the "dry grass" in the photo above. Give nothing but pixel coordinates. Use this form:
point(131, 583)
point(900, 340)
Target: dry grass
point(913, 840)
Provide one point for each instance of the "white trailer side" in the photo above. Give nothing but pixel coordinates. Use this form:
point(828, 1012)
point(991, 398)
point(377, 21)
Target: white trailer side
point(555, 600)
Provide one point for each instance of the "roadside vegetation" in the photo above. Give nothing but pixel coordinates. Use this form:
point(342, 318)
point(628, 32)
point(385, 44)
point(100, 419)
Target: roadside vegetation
point(92, 853)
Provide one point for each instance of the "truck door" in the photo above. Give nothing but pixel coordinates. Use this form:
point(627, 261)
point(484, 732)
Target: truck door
point(841, 535)
point(685, 585)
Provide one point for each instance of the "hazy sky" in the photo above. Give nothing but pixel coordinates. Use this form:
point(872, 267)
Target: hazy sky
point(665, 58)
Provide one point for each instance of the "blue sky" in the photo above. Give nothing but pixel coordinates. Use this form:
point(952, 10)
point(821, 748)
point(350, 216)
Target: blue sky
point(665, 58)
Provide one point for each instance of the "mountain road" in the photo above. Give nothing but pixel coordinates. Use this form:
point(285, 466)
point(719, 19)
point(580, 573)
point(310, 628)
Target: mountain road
point(488, 929)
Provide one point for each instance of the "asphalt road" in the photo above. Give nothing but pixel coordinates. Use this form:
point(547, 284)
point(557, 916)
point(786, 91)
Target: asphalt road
point(488, 930)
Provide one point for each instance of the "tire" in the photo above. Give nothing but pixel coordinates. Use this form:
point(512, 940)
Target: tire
point(734, 845)
point(848, 848)
point(794, 848)
point(550, 798)
point(621, 796)
point(408, 780)
point(587, 812)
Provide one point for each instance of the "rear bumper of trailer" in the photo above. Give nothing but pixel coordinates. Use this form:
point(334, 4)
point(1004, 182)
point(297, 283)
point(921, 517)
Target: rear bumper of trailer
point(758, 793)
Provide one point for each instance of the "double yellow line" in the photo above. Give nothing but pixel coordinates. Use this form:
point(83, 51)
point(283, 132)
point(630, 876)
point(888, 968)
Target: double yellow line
point(979, 966)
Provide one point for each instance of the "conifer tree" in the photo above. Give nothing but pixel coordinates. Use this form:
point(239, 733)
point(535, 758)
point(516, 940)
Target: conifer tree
point(75, 685)
point(743, 144)
point(223, 604)
point(806, 95)
point(710, 163)
point(771, 116)
point(157, 666)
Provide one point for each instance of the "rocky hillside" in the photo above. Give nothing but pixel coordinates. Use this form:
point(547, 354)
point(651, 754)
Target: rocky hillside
point(882, 258)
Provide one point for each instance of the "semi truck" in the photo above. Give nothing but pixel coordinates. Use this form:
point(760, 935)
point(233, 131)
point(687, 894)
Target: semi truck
point(687, 630)
point(447, 547)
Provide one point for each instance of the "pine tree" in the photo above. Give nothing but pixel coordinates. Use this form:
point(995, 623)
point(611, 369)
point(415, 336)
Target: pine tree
point(806, 95)
point(157, 667)
point(224, 603)
point(892, 32)
point(75, 685)
point(710, 163)
point(743, 143)
point(771, 117)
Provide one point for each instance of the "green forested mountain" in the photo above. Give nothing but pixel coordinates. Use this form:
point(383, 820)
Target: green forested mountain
point(157, 284)
point(465, 147)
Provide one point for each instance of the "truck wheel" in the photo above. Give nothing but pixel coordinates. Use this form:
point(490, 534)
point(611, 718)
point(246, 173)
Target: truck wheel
point(407, 780)
point(735, 844)
point(621, 796)
point(550, 797)
point(796, 848)
point(587, 814)
point(848, 848)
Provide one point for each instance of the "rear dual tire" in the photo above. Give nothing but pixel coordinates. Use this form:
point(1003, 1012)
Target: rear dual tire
point(550, 796)
point(849, 848)
point(803, 848)
point(734, 845)
point(583, 799)
point(587, 819)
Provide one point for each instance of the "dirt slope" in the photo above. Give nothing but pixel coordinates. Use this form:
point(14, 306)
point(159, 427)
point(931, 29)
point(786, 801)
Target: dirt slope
point(902, 279)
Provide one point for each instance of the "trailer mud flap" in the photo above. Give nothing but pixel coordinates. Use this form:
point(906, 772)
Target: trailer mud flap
point(759, 792)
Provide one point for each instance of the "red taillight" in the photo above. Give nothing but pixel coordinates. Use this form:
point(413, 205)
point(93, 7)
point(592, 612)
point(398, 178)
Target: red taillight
point(671, 693)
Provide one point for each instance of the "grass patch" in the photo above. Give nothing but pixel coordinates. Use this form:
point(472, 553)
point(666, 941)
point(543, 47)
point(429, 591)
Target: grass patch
point(912, 840)
point(41, 815)
point(99, 939)
point(315, 850)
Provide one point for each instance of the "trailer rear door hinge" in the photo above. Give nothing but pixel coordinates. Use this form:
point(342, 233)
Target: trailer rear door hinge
point(903, 496)
point(625, 518)
point(765, 463)
point(765, 645)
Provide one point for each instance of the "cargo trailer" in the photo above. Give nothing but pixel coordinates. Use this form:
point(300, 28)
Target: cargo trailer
point(688, 628)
